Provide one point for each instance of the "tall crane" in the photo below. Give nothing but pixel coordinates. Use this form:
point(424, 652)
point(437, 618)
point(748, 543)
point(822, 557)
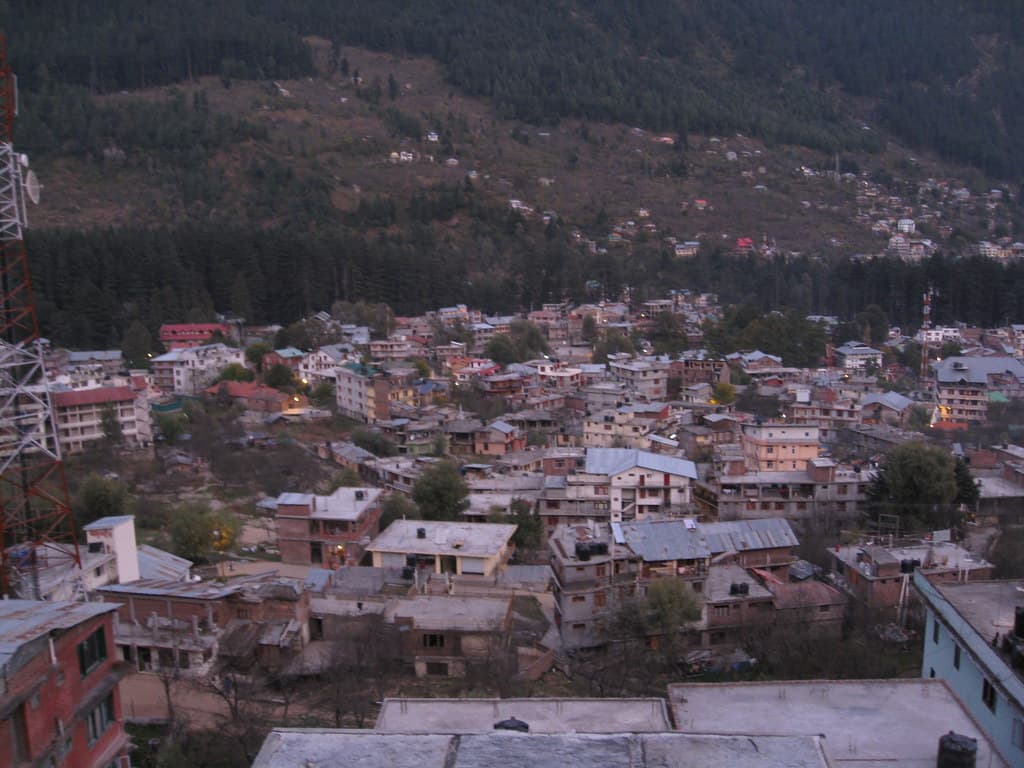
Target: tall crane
point(36, 524)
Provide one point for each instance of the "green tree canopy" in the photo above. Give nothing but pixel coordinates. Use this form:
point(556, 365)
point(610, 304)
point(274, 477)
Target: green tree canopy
point(279, 376)
point(441, 493)
point(236, 372)
point(918, 482)
point(98, 497)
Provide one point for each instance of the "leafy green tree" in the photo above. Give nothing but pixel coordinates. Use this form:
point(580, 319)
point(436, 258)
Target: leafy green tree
point(113, 433)
point(196, 531)
point(614, 342)
point(441, 493)
point(279, 376)
point(529, 527)
point(502, 349)
point(236, 372)
point(171, 425)
point(668, 334)
point(919, 418)
point(724, 393)
point(967, 491)
point(374, 441)
point(397, 506)
point(347, 478)
point(254, 354)
point(137, 346)
point(98, 497)
point(323, 394)
point(918, 482)
point(589, 329)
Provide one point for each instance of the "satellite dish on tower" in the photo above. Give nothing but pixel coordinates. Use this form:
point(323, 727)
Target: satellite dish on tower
point(32, 187)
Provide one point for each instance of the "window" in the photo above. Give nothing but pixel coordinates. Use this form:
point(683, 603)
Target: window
point(721, 610)
point(599, 600)
point(437, 668)
point(935, 630)
point(602, 570)
point(988, 695)
point(433, 641)
point(92, 651)
point(956, 657)
point(579, 599)
point(100, 718)
point(824, 608)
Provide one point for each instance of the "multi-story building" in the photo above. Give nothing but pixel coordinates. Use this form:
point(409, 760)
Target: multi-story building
point(830, 418)
point(186, 627)
point(878, 577)
point(367, 393)
point(699, 367)
point(598, 565)
point(185, 335)
point(646, 379)
point(321, 365)
point(189, 370)
point(327, 530)
point(823, 492)
point(289, 357)
point(618, 484)
point(617, 429)
point(858, 356)
point(974, 640)
point(80, 415)
point(444, 547)
point(59, 698)
point(779, 446)
point(964, 384)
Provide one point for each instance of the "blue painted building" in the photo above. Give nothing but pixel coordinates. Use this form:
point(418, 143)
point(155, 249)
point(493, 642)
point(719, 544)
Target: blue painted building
point(969, 632)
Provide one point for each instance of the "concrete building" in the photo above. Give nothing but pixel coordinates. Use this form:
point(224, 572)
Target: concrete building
point(444, 547)
point(857, 356)
point(80, 415)
point(188, 626)
point(973, 640)
point(187, 335)
point(779, 446)
point(290, 748)
point(367, 394)
point(965, 384)
point(878, 577)
point(441, 635)
point(597, 566)
point(824, 492)
point(619, 484)
point(543, 715)
point(328, 530)
point(646, 379)
point(59, 698)
point(189, 370)
point(863, 723)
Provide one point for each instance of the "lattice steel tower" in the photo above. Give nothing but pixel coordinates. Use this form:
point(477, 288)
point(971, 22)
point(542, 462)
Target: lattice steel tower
point(36, 525)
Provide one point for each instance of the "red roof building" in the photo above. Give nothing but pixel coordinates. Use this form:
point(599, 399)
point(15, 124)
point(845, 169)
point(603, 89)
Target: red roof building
point(182, 335)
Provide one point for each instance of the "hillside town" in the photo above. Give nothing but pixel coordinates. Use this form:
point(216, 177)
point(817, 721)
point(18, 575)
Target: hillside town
point(505, 502)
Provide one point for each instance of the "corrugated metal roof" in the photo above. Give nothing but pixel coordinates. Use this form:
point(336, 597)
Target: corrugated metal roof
point(108, 522)
point(157, 564)
point(612, 461)
point(656, 541)
point(22, 621)
point(663, 540)
point(742, 535)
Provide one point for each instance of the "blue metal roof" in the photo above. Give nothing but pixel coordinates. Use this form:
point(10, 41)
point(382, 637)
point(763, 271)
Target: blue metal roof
point(612, 461)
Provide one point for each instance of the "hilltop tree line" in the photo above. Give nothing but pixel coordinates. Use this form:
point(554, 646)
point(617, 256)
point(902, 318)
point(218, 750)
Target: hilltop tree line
point(92, 286)
point(945, 76)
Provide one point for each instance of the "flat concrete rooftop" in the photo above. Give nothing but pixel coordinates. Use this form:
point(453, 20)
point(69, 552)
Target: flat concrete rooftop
point(542, 715)
point(865, 723)
point(322, 748)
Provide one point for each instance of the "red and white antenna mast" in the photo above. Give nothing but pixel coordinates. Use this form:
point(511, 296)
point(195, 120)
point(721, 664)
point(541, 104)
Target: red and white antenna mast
point(36, 524)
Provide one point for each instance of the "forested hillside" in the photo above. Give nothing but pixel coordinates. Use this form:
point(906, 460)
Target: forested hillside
point(205, 156)
point(943, 76)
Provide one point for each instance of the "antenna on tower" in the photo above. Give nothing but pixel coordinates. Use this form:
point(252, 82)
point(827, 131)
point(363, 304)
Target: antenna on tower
point(36, 525)
point(926, 324)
